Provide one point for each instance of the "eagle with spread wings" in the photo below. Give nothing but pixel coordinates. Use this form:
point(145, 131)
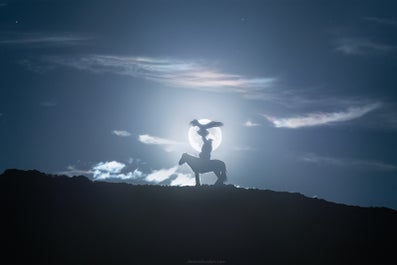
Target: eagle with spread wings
point(203, 128)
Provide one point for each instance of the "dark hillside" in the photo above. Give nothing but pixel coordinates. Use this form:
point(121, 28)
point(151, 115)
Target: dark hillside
point(57, 219)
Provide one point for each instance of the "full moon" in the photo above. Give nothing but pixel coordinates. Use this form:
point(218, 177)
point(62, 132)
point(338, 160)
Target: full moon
point(214, 133)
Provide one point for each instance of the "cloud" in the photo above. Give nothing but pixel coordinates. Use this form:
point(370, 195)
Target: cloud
point(72, 171)
point(112, 170)
point(177, 73)
point(41, 39)
point(183, 180)
point(383, 21)
point(131, 175)
point(103, 175)
point(121, 133)
point(111, 167)
point(148, 139)
point(362, 46)
point(250, 124)
point(347, 162)
point(161, 175)
point(168, 145)
point(317, 119)
point(187, 74)
point(36, 66)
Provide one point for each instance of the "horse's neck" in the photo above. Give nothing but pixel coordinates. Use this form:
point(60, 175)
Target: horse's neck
point(192, 160)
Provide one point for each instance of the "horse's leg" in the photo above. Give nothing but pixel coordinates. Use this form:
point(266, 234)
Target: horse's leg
point(218, 181)
point(197, 178)
point(221, 177)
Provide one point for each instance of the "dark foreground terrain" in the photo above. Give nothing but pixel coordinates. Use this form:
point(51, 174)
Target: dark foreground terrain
point(46, 219)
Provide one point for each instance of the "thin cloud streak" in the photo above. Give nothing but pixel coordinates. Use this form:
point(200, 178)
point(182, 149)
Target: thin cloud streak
point(249, 123)
point(317, 119)
point(148, 139)
point(121, 133)
point(167, 144)
point(362, 46)
point(347, 162)
point(73, 171)
point(177, 73)
point(383, 21)
point(42, 39)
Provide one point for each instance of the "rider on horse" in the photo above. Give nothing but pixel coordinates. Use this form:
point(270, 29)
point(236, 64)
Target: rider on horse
point(203, 163)
point(206, 149)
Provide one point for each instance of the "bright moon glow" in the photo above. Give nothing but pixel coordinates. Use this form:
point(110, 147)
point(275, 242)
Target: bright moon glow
point(214, 133)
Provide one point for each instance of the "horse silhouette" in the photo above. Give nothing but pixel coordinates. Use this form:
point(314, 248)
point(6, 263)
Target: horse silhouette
point(199, 165)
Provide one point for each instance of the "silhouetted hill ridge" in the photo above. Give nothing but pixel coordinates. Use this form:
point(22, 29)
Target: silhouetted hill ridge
point(61, 219)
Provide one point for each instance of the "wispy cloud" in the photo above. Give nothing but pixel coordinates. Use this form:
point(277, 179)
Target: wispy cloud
point(362, 46)
point(161, 175)
point(188, 74)
point(383, 21)
point(73, 171)
point(317, 119)
point(36, 67)
point(121, 133)
point(148, 139)
point(249, 123)
point(167, 144)
point(178, 73)
point(185, 74)
point(41, 39)
point(348, 162)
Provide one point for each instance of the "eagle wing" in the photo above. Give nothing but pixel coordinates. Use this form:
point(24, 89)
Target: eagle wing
point(196, 123)
point(213, 124)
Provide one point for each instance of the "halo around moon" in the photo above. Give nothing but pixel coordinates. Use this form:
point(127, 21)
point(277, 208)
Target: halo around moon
point(214, 133)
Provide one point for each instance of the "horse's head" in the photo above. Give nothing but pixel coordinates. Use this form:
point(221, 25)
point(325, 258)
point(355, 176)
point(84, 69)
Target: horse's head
point(183, 159)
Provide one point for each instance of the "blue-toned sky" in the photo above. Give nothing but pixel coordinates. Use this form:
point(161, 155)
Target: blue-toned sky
point(306, 90)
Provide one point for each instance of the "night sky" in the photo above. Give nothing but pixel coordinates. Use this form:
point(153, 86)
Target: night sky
point(306, 91)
